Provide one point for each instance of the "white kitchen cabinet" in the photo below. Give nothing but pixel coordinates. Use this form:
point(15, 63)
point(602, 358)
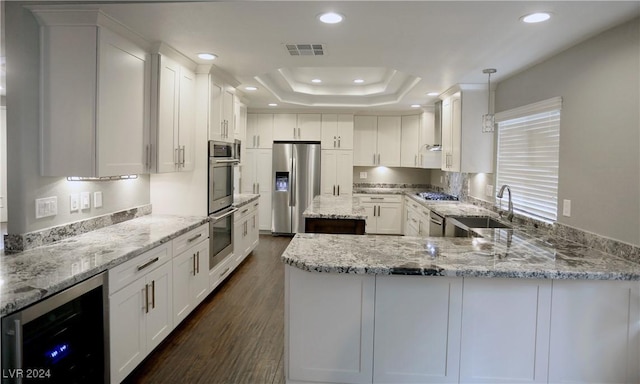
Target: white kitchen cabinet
point(245, 234)
point(259, 130)
point(140, 308)
point(384, 213)
point(336, 177)
point(173, 112)
point(94, 98)
point(505, 331)
point(221, 112)
point(417, 134)
point(190, 273)
point(337, 131)
point(240, 118)
point(416, 218)
point(595, 332)
point(344, 319)
point(256, 178)
point(465, 148)
point(376, 141)
point(417, 329)
point(297, 127)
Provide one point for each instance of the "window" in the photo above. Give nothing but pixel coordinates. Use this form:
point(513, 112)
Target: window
point(527, 157)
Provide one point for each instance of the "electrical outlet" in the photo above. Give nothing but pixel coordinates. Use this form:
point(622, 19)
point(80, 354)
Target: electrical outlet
point(441, 179)
point(74, 202)
point(566, 208)
point(85, 200)
point(488, 190)
point(97, 199)
point(363, 175)
point(47, 206)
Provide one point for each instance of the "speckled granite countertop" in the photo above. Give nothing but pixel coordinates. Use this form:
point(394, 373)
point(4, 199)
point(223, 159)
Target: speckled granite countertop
point(32, 275)
point(243, 199)
point(335, 207)
point(502, 253)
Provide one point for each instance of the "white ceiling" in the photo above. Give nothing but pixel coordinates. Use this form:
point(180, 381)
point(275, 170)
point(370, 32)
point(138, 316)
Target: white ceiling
point(435, 44)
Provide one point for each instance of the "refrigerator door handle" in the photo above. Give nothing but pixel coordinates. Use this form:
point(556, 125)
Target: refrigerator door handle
point(292, 199)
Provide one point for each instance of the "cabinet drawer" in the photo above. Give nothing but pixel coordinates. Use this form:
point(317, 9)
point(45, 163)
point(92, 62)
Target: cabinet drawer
point(245, 211)
point(126, 273)
point(191, 238)
point(380, 199)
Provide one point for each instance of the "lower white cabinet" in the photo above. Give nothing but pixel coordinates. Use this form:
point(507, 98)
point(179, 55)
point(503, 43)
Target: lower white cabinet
point(140, 313)
point(190, 279)
point(413, 319)
point(384, 213)
point(329, 319)
point(245, 231)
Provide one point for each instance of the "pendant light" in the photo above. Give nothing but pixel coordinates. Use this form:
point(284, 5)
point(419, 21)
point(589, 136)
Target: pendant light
point(489, 120)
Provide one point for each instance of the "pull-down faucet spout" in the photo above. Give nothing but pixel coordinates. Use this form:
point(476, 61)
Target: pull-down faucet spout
point(499, 196)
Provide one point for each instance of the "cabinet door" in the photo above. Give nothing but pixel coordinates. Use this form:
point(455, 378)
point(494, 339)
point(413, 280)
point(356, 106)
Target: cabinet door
point(446, 133)
point(183, 271)
point(344, 173)
point(417, 343)
point(389, 135)
point(216, 123)
point(410, 141)
point(255, 227)
point(265, 211)
point(456, 133)
point(228, 121)
point(127, 329)
point(252, 131)
point(249, 172)
point(265, 133)
point(595, 332)
point(365, 140)
point(371, 222)
point(187, 119)
point(344, 319)
point(345, 131)
point(123, 102)
point(505, 331)
point(264, 180)
point(329, 131)
point(160, 301)
point(285, 126)
point(389, 219)
point(167, 114)
point(329, 161)
point(200, 283)
point(238, 241)
point(309, 127)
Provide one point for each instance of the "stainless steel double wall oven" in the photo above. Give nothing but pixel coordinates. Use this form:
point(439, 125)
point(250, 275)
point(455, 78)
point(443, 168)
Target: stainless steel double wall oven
point(222, 160)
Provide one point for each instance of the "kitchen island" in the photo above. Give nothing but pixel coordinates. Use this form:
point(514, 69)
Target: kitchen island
point(508, 307)
point(335, 215)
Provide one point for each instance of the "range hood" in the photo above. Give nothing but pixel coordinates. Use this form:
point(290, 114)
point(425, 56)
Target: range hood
point(437, 127)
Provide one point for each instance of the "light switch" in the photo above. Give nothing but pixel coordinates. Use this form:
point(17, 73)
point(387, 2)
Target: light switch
point(97, 199)
point(363, 175)
point(488, 190)
point(47, 206)
point(74, 202)
point(85, 200)
point(566, 208)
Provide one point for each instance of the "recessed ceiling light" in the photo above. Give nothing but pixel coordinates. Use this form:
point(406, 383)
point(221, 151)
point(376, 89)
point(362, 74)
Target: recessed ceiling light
point(317, 81)
point(432, 94)
point(415, 105)
point(358, 81)
point(537, 17)
point(330, 18)
point(273, 104)
point(250, 88)
point(207, 56)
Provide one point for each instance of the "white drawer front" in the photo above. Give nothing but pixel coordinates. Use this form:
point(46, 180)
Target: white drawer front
point(380, 198)
point(128, 272)
point(191, 238)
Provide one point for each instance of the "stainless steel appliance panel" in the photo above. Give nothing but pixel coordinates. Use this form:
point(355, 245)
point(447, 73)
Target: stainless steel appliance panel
point(221, 236)
point(306, 170)
point(436, 225)
point(282, 195)
point(221, 162)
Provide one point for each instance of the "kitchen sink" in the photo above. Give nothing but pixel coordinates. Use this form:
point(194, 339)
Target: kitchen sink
point(461, 226)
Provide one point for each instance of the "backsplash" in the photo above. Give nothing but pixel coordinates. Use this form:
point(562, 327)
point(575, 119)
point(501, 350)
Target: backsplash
point(21, 242)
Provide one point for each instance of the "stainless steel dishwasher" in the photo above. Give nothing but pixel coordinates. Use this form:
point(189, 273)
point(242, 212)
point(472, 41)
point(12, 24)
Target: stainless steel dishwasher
point(60, 339)
point(436, 225)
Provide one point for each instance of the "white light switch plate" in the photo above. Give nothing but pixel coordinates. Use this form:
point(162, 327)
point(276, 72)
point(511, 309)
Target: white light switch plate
point(74, 202)
point(363, 175)
point(85, 200)
point(566, 208)
point(97, 199)
point(47, 206)
point(488, 190)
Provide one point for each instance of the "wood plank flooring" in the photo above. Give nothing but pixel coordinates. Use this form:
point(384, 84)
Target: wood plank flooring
point(236, 335)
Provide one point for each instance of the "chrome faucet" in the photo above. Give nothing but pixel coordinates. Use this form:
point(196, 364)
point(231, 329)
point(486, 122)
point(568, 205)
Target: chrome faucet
point(499, 196)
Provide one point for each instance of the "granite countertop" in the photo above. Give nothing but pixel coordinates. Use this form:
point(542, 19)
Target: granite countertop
point(243, 199)
point(32, 275)
point(335, 207)
point(502, 253)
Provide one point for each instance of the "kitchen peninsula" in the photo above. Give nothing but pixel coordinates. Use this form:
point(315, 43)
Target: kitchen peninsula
point(511, 306)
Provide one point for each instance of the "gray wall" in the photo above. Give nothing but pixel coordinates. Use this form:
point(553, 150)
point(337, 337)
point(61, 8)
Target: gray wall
point(392, 175)
point(23, 174)
point(599, 81)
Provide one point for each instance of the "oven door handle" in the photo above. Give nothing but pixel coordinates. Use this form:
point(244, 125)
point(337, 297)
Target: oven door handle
point(216, 218)
point(233, 161)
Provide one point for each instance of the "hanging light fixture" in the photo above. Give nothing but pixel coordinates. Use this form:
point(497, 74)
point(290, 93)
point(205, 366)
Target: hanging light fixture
point(489, 120)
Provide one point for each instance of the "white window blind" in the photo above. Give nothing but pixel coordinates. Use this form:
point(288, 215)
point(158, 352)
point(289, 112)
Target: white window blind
point(527, 158)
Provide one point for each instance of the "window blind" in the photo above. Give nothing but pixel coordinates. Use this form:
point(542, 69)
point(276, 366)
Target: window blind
point(527, 158)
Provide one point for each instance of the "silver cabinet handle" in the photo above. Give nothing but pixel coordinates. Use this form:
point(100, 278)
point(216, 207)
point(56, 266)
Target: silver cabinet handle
point(338, 189)
point(374, 159)
point(194, 237)
point(334, 190)
point(299, 134)
point(339, 142)
point(254, 141)
point(146, 298)
point(244, 211)
point(198, 262)
point(222, 128)
point(258, 141)
point(334, 141)
point(184, 155)
point(294, 133)
point(224, 272)
point(194, 264)
point(421, 161)
point(258, 191)
point(147, 158)
point(378, 159)
point(415, 160)
point(153, 294)
point(377, 198)
point(148, 263)
point(176, 157)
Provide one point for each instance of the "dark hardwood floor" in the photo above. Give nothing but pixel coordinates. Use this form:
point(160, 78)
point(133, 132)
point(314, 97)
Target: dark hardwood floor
point(236, 335)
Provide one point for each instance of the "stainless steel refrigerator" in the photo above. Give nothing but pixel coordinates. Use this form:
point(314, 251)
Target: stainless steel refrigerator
point(296, 181)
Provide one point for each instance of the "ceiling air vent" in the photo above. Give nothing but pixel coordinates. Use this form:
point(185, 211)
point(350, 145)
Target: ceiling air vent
point(306, 49)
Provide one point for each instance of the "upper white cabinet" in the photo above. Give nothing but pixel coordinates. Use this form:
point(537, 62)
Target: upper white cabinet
point(417, 133)
point(256, 178)
point(337, 131)
point(172, 111)
point(336, 178)
point(221, 112)
point(94, 95)
point(376, 141)
point(297, 127)
point(259, 131)
point(240, 118)
point(465, 148)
